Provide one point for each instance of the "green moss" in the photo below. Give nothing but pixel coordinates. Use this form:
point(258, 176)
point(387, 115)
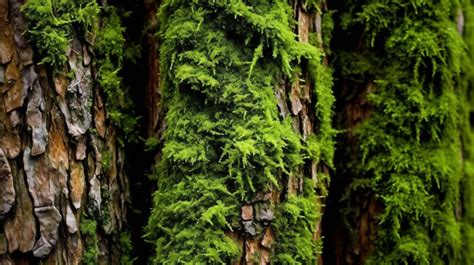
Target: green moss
point(409, 149)
point(106, 159)
point(88, 229)
point(125, 248)
point(327, 27)
point(224, 140)
point(294, 229)
point(322, 76)
point(51, 24)
point(111, 52)
point(312, 5)
point(103, 217)
point(151, 144)
point(467, 183)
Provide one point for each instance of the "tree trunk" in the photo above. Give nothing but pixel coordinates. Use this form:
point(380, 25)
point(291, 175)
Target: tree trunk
point(242, 136)
point(64, 191)
point(402, 168)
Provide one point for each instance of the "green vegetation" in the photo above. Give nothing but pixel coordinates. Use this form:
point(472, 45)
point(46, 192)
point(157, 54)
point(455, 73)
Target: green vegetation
point(51, 24)
point(125, 248)
point(224, 140)
point(296, 243)
point(467, 123)
point(312, 4)
point(103, 216)
point(410, 150)
point(88, 228)
point(111, 52)
point(151, 144)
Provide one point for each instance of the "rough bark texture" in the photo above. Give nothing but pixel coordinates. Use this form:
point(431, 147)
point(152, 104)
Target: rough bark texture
point(51, 163)
point(153, 96)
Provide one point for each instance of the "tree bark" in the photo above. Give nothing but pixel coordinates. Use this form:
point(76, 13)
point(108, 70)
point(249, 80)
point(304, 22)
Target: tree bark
point(59, 202)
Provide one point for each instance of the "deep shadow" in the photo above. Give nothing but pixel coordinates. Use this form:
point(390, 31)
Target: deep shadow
point(336, 238)
point(139, 162)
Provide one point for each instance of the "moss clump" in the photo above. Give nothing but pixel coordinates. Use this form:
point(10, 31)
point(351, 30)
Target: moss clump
point(295, 228)
point(410, 150)
point(51, 24)
point(312, 5)
point(327, 27)
point(151, 144)
point(112, 51)
point(225, 140)
point(88, 228)
point(467, 95)
point(125, 248)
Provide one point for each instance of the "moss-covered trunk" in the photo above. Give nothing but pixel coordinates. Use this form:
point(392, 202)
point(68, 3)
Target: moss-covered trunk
point(63, 188)
point(466, 205)
point(244, 153)
point(403, 69)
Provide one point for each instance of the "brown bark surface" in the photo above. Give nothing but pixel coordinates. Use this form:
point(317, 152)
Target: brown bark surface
point(54, 139)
